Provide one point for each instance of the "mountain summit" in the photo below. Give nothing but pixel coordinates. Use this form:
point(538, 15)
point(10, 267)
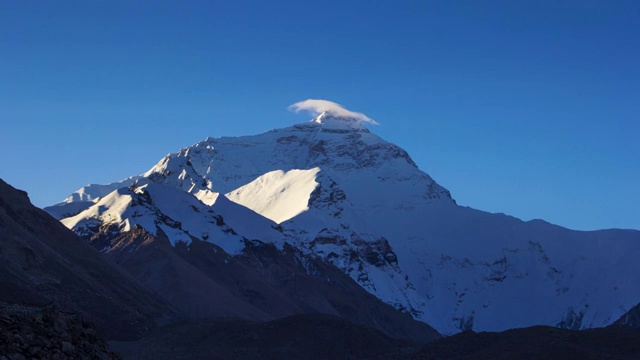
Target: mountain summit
point(331, 120)
point(338, 193)
point(329, 108)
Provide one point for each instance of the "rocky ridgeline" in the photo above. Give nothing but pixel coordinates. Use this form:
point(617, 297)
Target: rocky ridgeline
point(47, 333)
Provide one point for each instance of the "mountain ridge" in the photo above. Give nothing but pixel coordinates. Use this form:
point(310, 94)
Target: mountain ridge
point(400, 235)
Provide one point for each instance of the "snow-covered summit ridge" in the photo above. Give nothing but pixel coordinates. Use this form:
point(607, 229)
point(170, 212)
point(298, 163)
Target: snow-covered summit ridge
point(354, 156)
point(331, 121)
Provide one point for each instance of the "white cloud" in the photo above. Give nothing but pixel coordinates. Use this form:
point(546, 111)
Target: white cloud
point(317, 107)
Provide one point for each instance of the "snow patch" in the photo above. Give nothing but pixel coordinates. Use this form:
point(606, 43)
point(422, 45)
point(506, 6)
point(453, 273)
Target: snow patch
point(278, 195)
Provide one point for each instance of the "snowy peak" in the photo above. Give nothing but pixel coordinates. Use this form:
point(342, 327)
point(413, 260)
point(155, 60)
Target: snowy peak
point(92, 192)
point(178, 170)
point(179, 215)
point(338, 144)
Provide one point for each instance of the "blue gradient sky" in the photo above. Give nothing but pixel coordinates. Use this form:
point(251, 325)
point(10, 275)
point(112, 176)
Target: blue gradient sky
point(530, 108)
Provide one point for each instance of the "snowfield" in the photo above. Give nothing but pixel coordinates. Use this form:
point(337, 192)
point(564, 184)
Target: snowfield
point(277, 195)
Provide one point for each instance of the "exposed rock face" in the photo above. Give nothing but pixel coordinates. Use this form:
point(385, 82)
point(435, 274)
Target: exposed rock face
point(42, 261)
point(262, 283)
point(631, 318)
point(47, 333)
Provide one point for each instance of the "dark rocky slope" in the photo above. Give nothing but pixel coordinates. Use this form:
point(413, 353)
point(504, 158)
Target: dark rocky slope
point(261, 284)
point(631, 318)
point(318, 336)
point(309, 336)
point(539, 343)
point(41, 262)
point(47, 333)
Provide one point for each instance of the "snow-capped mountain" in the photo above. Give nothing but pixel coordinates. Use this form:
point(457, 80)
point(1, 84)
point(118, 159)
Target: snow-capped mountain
point(225, 260)
point(342, 194)
point(180, 216)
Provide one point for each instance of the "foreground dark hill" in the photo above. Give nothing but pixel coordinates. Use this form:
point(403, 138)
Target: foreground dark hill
point(317, 336)
point(41, 261)
point(537, 343)
point(309, 336)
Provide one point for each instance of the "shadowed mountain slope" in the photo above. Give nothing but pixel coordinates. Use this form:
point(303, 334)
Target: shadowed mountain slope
point(631, 318)
point(260, 284)
point(41, 261)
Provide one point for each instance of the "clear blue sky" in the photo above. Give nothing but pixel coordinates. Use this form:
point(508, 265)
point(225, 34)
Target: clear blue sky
point(531, 108)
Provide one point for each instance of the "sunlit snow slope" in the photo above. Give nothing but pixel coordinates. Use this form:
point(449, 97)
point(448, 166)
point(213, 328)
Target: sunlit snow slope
point(277, 195)
point(177, 214)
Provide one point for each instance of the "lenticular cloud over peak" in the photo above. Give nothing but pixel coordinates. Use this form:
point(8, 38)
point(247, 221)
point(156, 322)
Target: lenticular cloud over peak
point(317, 107)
